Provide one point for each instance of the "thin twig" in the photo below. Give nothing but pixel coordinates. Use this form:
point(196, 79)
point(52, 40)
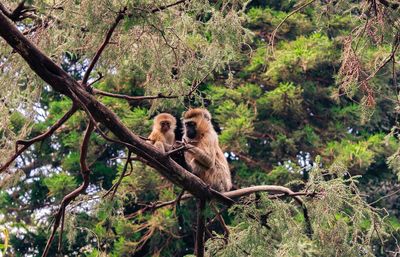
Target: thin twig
point(116, 185)
point(273, 34)
point(161, 8)
point(196, 86)
point(385, 196)
point(96, 57)
point(220, 219)
point(131, 98)
point(27, 143)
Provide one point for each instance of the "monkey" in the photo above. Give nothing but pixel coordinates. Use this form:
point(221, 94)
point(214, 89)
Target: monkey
point(163, 136)
point(203, 153)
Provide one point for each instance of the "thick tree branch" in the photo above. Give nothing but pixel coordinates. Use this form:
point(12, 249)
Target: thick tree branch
point(27, 143)
point(61, 82)
point(276, 192)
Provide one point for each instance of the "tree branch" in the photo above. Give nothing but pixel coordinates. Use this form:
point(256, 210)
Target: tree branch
point(273, 34)
point(71, 196)
point(161, 8)
point(96, 57)
point(27, 143)
point(133, 98)
point(276, 191)
point(114, 187)
point(200, 229)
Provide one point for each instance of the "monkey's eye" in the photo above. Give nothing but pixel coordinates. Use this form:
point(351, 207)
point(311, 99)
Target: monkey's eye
point(190, 124)
point(164, 123)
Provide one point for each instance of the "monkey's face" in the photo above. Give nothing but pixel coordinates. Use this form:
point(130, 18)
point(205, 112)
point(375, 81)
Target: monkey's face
point(190, 128)
point(165, 126)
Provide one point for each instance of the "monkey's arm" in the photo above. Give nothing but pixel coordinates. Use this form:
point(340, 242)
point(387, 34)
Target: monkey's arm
point(160, 146)
point(205, 159)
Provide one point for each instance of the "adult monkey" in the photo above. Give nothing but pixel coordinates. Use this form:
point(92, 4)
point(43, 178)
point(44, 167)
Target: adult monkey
point(163, 136)
point(204, 154)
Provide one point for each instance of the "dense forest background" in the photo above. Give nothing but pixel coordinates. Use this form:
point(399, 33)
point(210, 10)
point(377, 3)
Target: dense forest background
point(303, 95)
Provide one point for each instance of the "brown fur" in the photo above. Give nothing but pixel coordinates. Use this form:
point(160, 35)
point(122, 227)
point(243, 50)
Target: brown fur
point(206, 158)
point(163, 141)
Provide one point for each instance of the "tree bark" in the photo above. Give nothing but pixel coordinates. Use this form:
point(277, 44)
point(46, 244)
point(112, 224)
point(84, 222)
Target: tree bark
point(201, 228)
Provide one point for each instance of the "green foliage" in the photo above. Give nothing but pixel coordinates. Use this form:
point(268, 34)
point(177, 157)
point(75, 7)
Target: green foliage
point(284, 99)
point(295, 58)
point(60, 185)
point(297, 24)
point(358, 156)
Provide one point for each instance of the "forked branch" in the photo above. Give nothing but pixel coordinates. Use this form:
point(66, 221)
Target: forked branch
point(59, 218)
point(27, 143)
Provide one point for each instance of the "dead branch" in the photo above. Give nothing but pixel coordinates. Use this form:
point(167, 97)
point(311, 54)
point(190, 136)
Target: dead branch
point(96, 57)
point(27, 143)
point(131, 98)
point(71, 196)
point(114, 187)
point(196, 86)
point(161, 8)
point(220, 219)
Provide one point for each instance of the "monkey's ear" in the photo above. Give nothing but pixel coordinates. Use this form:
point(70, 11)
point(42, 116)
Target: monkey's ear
point(207, 116)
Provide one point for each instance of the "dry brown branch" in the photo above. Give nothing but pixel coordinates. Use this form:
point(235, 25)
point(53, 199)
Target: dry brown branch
point(220, 219)
point(277, 191)
point(96, 57)
point(161, 8)
point(27, 143)
point(131, 98)
point(196, 86)
point(85, 172)
point(114, 187)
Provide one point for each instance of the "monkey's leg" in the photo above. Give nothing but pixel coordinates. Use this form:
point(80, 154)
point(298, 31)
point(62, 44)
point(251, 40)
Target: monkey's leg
point(200, 156)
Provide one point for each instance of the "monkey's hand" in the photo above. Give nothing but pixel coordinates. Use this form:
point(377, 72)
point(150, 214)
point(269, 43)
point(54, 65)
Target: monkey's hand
point(201, 156)
point(179, 146)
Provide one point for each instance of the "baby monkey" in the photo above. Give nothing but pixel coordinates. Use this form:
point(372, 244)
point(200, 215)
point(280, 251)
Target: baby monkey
point(163, 136)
